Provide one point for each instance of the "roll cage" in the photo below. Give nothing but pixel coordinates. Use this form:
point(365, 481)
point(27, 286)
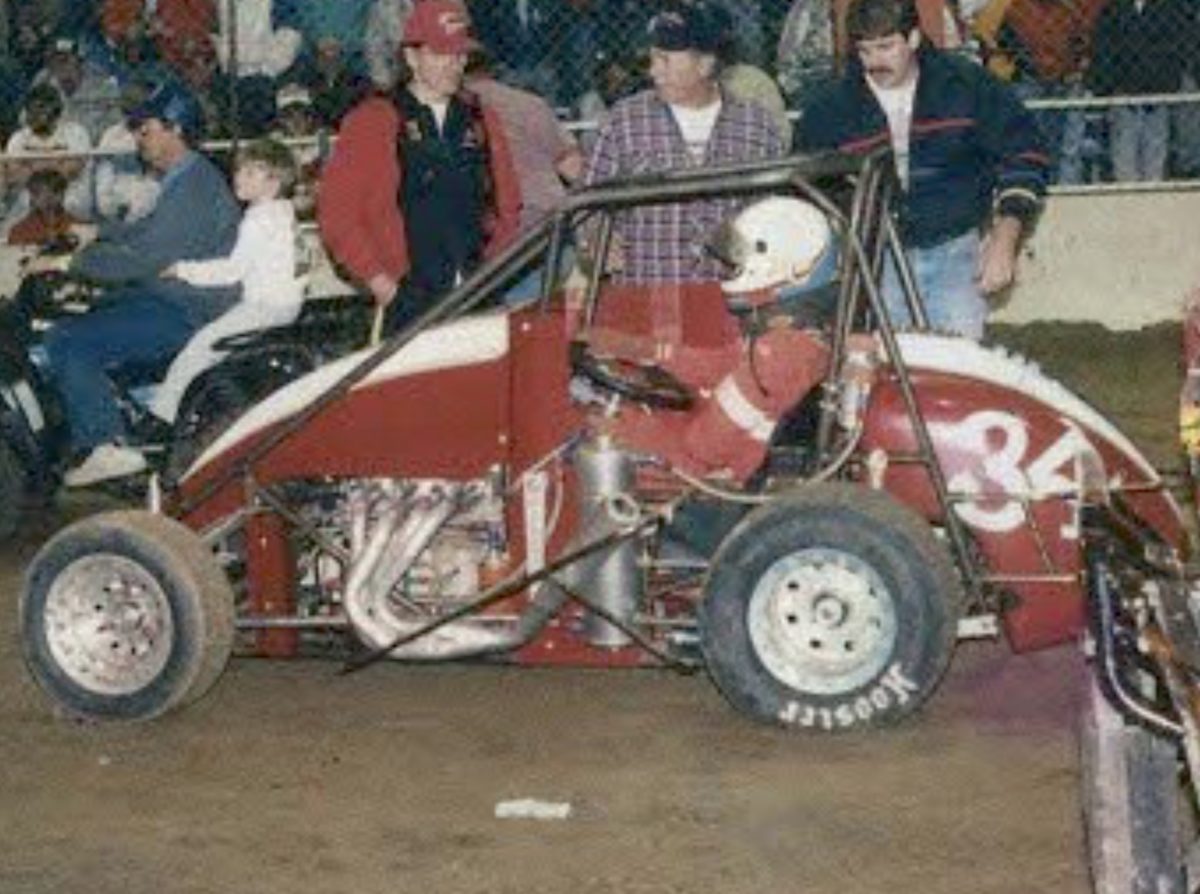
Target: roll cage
point(857, 195)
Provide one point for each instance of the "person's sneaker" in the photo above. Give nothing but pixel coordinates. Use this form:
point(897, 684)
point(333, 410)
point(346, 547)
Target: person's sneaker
point(104, 462)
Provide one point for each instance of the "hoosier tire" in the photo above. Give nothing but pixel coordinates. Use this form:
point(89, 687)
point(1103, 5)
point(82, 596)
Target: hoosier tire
point(830, 609)
point(125, 616)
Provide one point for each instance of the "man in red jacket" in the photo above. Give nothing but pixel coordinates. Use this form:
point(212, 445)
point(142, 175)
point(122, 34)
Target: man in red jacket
point(421, 185)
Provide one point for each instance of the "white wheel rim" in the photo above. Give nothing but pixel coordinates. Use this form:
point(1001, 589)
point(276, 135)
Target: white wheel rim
point(108, 624)
point(822, 621)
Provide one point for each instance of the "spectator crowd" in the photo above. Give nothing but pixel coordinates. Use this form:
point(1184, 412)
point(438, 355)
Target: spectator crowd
point(294, 68)
point(448, 144)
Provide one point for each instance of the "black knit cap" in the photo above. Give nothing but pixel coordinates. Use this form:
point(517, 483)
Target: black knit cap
point(691, 25)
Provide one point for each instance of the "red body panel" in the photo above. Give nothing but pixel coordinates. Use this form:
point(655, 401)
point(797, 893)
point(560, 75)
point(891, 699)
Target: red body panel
point(449, 423)
point(993, 442)
point(445, 423)
point(271, 582)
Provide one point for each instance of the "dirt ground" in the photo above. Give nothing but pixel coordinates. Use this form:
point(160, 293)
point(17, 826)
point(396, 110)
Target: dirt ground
point(292, 778)
point(1132, 376)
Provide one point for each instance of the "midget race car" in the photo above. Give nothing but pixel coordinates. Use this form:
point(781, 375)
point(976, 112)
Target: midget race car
point(463, 491)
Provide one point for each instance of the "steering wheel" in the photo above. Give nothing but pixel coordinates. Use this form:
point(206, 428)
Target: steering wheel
point(645, 383)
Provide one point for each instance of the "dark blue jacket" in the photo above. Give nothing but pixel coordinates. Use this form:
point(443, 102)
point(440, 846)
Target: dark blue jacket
point(1144, 51)
point(972, 145)
point(196, 218)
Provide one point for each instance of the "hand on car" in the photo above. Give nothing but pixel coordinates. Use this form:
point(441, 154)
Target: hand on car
point(998, 255)
point(383, 289)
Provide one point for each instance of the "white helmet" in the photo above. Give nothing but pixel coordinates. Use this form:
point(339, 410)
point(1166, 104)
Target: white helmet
point(774, 242)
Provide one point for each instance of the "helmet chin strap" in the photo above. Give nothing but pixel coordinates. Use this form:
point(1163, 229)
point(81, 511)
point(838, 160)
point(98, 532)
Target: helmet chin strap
point(754, 325)
point(754, 312)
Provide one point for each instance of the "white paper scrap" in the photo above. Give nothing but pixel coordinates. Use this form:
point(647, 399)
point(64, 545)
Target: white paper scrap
point(532, 808)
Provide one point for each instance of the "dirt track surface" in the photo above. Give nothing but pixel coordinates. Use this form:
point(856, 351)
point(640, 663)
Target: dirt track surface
point(290, 778)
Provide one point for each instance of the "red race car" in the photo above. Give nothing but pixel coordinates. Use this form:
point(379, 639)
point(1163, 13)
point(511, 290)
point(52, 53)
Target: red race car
point(775, 486)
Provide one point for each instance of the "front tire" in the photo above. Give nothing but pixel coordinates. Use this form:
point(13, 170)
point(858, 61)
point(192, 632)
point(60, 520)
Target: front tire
point(830, 609)
point(125, 616)
point(1136, 809)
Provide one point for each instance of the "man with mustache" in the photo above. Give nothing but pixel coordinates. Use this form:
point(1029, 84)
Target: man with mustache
point(969, 157)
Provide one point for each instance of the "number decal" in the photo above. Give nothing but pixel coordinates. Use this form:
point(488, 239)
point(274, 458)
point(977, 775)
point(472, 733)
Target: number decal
point(1002, 440)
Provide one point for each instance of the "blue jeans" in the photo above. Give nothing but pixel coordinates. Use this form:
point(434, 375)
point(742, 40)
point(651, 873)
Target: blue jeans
point(946, 283)
point(129, 326)
point(529, 287)
point(1185, 130)
point(1062, 129)
point(1138, 140)
point(1073, 147)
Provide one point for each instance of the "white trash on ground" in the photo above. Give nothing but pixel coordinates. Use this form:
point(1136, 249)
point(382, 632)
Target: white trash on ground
point(532, 808)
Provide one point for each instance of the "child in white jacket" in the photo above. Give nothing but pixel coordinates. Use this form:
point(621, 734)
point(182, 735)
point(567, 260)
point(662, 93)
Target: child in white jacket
point(263, 260)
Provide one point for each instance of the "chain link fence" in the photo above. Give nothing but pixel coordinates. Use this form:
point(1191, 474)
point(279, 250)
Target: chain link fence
point(1113, 87)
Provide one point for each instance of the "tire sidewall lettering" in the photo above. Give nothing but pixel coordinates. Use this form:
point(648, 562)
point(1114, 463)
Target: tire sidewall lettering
point(892, 690)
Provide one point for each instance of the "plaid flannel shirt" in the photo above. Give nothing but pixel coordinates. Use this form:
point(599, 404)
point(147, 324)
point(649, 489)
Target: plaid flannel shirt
point(665, 243)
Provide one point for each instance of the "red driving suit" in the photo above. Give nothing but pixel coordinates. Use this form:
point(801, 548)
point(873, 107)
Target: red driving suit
point(744, 384)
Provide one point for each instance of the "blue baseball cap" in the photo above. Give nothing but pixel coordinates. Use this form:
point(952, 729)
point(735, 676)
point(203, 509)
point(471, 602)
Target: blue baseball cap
point(171, 105)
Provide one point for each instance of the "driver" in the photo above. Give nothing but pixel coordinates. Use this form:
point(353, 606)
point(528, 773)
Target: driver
point(781, 251)
point(142, 317)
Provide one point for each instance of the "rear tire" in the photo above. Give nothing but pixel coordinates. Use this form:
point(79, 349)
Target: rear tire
point(124, 616)
point(830, 609)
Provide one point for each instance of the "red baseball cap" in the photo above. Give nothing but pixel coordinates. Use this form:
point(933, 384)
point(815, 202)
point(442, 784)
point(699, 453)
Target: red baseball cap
point(442, 25)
